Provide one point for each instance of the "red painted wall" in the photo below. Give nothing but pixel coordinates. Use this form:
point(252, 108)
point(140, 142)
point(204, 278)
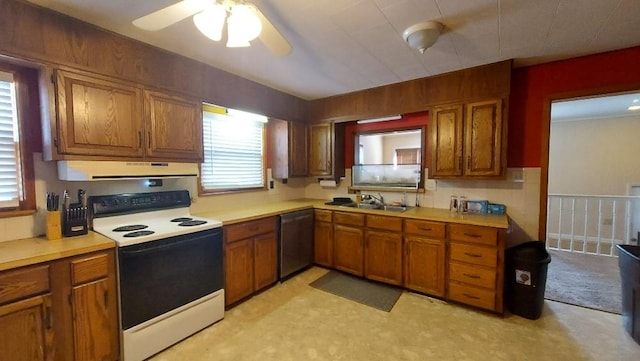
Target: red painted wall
point(532, 86)
point(408, 120)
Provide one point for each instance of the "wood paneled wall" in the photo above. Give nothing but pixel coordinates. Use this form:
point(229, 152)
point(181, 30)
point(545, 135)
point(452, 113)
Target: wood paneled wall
point(485, 81)
point(40, 35)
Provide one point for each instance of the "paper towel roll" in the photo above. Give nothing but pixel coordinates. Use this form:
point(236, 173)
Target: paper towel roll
point(328, 183)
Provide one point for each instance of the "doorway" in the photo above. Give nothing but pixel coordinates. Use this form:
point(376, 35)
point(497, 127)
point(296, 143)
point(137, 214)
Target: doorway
point(589, 205)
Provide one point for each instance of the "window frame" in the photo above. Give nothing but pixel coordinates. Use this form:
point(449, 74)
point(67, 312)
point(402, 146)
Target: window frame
point(28, 108)
point(202, 191)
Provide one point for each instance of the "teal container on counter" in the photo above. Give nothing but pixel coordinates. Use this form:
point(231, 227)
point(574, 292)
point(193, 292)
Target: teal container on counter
point(495, 208)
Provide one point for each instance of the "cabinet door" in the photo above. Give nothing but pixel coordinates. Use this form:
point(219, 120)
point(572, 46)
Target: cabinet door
point(323, 244)
point(320, 150)
point(348, 249)
point(483, 139)
point(97, 117)
point(445, 145)
point(95, 332)
point(174, 127)
point(298, 150)
point(289, 149)
point(383, 256)
point(238, 261)
point(266, 260)
point(25, 332)
point(424, 263)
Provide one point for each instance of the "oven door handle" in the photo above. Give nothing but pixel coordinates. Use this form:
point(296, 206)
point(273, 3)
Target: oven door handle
point(164, 247)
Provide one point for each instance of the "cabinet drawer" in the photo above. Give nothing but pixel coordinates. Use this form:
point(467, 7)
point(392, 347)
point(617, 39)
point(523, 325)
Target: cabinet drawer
point(23, 282)
point(89, 268)
point(474, 296)
point(473, 234)
point(472, 275)
point(244, 230)
point(352, 219)
point(384, 222)
point(424, 228)
point(322, 215)
point(484, 256)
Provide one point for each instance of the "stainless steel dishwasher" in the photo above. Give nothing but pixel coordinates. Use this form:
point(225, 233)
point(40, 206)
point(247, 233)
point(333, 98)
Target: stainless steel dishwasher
point(296, 242)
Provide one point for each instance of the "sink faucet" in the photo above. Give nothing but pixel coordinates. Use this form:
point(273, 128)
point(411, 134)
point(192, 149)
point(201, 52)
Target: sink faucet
point(378, 199)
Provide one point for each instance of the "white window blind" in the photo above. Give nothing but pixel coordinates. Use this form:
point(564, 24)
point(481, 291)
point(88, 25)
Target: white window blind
point(233, 151)
point(10, 179)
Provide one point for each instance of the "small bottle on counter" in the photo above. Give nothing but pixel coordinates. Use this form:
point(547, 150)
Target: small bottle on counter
point(453, 204)
point(463, 206)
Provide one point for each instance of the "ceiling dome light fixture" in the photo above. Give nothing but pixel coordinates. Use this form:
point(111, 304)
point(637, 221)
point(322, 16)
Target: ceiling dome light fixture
point(422, 36)
point(243, 23)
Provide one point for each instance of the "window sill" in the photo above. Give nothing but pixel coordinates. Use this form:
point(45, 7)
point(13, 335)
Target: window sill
point(16, 213)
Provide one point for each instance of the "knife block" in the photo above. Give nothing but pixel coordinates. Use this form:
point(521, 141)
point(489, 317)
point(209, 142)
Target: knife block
point(54, 226)
point(75, 220)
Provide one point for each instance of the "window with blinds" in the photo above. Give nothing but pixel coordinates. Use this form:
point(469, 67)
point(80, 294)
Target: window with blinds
point(10, 178)
point(233, 150)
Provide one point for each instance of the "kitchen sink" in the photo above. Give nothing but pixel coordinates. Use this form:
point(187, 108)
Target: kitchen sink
point(395, 208)
point(388, 208)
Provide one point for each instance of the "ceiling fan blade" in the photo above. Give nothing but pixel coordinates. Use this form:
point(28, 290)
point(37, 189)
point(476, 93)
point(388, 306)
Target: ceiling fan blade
point(271, 37)
point(164, 17)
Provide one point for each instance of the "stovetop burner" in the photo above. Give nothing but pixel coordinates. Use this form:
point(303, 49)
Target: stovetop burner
point(181, 219)
point(129, 228)
point(190, 223)
point(138, 234)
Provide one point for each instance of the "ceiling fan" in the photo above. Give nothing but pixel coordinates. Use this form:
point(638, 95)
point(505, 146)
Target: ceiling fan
point(244, 21)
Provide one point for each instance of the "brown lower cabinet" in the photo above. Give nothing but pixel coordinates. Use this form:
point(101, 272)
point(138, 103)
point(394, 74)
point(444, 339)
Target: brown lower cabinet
point(250, 257)
point(60, 310)
point(348, 241)
point(26, 333)
point(476, 266)
point(323, 238)
point(383, 249)
point(457, 262)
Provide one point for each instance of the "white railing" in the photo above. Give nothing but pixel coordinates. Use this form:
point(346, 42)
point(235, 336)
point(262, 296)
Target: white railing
point(592, 224)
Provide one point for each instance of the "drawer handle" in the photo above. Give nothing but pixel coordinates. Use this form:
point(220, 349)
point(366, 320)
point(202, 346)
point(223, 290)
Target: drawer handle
point(471, 296)
point(471, 276)
point(472, 235)
point(425, 228)
point(252, 228)
point(474, 255)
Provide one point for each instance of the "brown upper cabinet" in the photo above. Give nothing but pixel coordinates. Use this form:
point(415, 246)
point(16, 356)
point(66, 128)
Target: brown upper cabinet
point(103, 118)
point(326, 150)
point(289, 145)
point(468, 140)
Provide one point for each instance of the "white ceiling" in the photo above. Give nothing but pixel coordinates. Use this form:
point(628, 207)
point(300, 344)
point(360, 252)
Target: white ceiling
point(602, 107)
point(341, 46)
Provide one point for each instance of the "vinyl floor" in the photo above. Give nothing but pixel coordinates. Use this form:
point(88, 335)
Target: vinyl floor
point(294, 321)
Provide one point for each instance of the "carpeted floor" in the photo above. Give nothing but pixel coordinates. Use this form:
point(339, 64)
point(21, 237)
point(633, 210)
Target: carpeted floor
point(369, 293)
point(584, 280)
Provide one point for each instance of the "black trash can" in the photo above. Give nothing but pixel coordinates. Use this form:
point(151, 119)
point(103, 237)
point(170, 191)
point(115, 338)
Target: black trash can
point(629, 264)
point(525, 278)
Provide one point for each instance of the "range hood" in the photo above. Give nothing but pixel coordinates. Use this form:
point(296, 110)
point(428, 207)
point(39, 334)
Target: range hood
point(82, 170)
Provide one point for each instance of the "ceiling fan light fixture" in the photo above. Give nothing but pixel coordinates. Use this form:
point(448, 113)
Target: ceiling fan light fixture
point(422, 36)
point(243, 25)
point(211, 21)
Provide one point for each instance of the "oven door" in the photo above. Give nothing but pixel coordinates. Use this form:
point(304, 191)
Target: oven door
point(159, 276)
